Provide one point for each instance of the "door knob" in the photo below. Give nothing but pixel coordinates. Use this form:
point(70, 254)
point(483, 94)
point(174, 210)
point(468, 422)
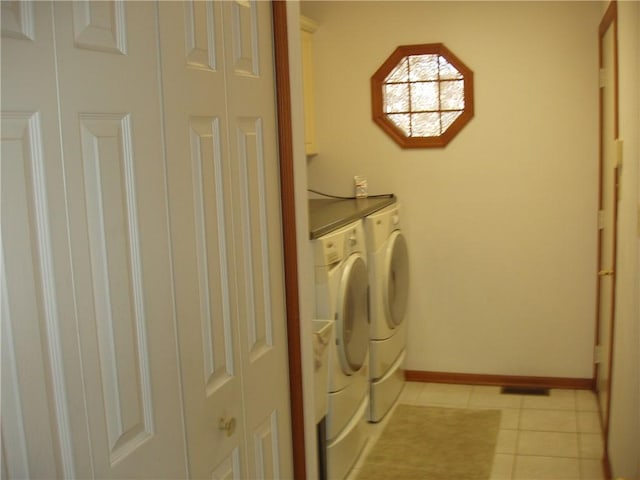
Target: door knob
point(604, 273)
point(227, 425)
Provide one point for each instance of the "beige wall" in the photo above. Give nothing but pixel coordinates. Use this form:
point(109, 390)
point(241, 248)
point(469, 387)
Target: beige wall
point(624, 438)
point(501, 224)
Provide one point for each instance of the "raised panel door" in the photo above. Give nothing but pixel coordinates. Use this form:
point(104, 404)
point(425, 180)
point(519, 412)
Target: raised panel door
point(28, 421)
point(258, 236)
point(39, 351)
point(202, 219)
point(107, 61)
point(223, 181)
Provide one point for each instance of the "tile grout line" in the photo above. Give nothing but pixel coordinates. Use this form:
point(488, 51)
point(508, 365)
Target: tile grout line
point(517, 446)
point(578, 442)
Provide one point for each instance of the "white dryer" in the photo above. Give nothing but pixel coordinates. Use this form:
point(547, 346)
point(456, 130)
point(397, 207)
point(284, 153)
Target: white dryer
point(389, 288)
point(341, 285)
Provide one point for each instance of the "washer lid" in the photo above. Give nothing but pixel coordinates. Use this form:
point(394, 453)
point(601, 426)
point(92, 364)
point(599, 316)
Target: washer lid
point(352, 316)
point(396, 280)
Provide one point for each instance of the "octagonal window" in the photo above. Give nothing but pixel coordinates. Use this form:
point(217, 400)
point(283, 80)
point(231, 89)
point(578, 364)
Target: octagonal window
point(422, 95)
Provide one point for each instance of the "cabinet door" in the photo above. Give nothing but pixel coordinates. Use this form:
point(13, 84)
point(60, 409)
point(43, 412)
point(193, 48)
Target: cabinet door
point(218, 92)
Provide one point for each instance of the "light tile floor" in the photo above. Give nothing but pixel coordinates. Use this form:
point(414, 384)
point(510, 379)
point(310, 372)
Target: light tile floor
point(541, 437)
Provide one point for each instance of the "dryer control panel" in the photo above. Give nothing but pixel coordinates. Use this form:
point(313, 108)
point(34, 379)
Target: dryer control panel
point(379, 226)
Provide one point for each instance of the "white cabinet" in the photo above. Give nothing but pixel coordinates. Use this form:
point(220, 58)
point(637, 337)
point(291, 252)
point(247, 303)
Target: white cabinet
point(307, 29)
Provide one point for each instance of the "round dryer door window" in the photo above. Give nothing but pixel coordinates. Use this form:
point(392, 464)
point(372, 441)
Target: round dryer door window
point(352, 322)
point(396, 282)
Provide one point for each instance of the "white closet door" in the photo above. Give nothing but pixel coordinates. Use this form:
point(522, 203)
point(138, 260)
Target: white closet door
point(119, 240)
point(89, 363)
point(29, 199)
point(253, 147)
point(198, 167)
point(40, 356)
point(110, 114)
point(219, 115)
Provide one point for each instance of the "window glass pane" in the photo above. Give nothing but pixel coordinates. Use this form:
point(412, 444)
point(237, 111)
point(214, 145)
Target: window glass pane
point(396, 97)
point(452, 95)
point(448, 118)
point(424, 96)
point(402, 121)
point(400, 73)
point(425, 124)
point(423, 67)
point(448, 71)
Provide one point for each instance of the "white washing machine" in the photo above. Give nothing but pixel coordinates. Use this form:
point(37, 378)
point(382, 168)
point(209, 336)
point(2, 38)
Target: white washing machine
point(341, 285)
point(389, 288)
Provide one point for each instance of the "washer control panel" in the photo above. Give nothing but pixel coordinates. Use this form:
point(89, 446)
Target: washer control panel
point(339, 244)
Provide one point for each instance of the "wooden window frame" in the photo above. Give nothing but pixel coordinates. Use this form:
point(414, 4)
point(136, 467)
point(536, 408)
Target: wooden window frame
point(377, 100)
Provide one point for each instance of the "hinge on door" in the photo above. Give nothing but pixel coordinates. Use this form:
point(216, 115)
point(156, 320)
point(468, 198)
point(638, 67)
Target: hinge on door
point(619, 151)
point(600, 219)
point(602, 78)
point(597, 354)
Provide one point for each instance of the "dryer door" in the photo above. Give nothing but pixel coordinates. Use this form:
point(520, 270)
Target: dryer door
point(352, 321)
point(396, 281)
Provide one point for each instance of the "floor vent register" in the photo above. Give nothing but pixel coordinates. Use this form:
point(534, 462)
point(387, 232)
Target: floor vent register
point(534, 391)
